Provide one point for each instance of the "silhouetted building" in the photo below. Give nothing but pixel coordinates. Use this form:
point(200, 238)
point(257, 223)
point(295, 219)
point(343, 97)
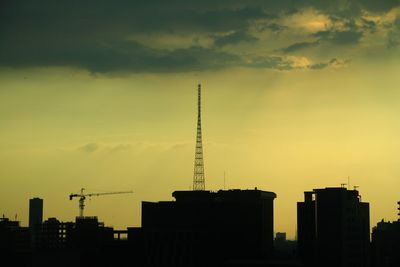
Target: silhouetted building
point(90, 234)
point(280, 237)
point(35, 219)
point(203, 228)
point(386, 244)
point(284, 249)
point(85, 242)
point(333, 228)
point(14, 242)
point(35, 211)
point(54, 235)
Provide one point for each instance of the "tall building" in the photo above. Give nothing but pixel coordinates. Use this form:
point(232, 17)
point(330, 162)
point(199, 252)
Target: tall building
point(203, 228)
point(333, 228)
point(35, 212)
point(35, 219)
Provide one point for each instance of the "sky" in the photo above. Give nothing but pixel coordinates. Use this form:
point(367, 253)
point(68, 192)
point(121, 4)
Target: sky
point(101, 95)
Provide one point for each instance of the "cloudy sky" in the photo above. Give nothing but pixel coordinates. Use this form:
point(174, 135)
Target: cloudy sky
point(102, 95)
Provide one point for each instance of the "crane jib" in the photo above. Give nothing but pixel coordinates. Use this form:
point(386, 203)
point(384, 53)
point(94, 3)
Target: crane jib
point(83, 196)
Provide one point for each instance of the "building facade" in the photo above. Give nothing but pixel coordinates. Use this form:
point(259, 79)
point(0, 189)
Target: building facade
point(333, 228)
point(35, 212)
point(203, 228)
point(386, 243)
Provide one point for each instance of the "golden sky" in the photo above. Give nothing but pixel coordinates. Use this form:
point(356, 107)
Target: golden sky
point(294, 98)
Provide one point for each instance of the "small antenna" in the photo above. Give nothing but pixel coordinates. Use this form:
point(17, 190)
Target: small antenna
point(348, 182)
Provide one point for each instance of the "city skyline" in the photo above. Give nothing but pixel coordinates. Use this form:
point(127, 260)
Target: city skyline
point(296, 95)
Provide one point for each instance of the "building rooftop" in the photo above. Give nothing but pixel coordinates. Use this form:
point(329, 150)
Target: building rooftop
point(233, 195)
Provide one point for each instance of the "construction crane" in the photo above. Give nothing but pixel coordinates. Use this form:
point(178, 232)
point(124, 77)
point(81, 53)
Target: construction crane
point(83, 196)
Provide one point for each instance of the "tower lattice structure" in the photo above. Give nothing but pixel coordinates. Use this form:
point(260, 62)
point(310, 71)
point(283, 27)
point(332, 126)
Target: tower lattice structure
point(198, 176)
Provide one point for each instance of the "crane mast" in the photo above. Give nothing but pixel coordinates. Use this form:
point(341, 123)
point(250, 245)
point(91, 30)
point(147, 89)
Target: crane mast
point(82, 196)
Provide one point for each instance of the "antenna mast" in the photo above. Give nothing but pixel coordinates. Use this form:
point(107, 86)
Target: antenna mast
point(198, 177)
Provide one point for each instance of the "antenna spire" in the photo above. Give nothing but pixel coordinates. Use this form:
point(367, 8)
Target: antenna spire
point(198, 177)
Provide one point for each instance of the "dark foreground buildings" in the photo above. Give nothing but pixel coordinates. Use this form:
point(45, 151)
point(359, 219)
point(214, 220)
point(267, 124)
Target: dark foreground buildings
point(85, 242)
point(333, 228)
point(15, 243)
point(203, 228)
point(199, 228)
point(386, 244)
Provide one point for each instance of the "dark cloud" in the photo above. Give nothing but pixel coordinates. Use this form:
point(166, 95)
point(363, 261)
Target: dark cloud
point(369, 25)
point(319, 66)
point(298, 46)
point(349, 8)
point(272, 62)
point(97, 34)
point(234, 38)
point(332, 63)
point(94, 34)
point(346, 37)
point(378, 6)
point(274, 27)
point(287, 64)
point(89, 148)
point(394, 34)
point(347, 33)
point(116, 57)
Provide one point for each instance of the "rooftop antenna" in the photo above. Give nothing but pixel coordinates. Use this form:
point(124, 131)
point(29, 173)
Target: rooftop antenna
point(198, 176)
point(348, 182)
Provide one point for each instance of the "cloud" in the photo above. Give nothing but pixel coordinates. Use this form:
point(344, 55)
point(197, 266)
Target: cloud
point(118, 57)
point(103, 36)
point(345, 31)
point(120, 147)
point(89, 148)
point(288, 63)
point(335, 63)
point(369, 25)
point(274, 27)
point(394, 34)
point(94, 147)
point(100, 35)
point(346, 37)
point(270, 62)
point(234, 38)
point(298, 46)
